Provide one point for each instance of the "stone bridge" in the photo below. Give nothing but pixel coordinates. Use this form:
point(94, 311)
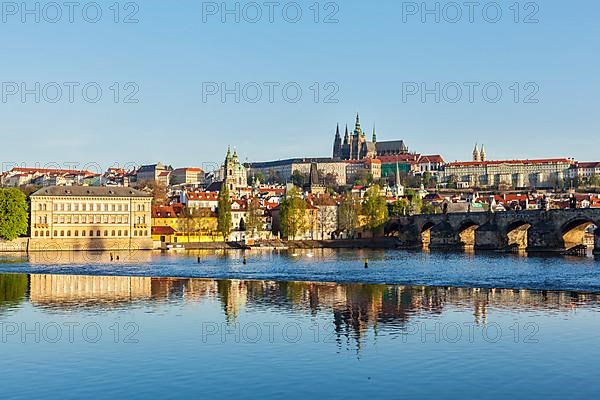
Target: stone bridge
point(552, 231)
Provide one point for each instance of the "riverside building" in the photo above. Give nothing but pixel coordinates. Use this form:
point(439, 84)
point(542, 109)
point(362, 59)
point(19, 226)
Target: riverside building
point(90, 218)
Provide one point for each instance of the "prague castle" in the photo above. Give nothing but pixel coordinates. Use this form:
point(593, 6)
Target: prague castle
point(355, 146)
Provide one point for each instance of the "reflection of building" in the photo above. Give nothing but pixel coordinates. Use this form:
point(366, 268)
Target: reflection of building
point(90, 218)
point(57, 289)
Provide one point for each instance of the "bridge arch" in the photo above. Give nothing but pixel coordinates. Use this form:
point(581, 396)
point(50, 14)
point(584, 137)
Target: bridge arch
point(578, 231)
point(516, 233)
point(425, 232)
point(466, 232)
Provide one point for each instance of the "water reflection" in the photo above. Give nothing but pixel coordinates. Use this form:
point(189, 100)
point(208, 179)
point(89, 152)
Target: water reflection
point(353, 308)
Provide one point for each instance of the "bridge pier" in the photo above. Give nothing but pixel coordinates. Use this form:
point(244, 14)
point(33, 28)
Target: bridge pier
point(544, 238)
point(445, 237)
point(597, 242)
point(489, 237)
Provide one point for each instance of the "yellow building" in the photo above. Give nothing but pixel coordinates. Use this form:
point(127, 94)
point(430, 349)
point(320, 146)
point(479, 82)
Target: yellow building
point(90, 218)
point(171, 225)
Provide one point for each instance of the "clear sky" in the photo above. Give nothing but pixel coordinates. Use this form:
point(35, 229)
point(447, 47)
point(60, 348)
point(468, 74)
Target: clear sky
point(369, 61)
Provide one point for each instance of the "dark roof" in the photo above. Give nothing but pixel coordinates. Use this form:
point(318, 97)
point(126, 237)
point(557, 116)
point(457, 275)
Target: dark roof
point(391, 146)
point(90, 191)
point(280, 163)
point(214, 187)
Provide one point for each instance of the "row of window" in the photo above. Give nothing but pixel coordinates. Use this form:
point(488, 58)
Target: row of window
point(91, 219)
point(90, 207)
point(97, 233)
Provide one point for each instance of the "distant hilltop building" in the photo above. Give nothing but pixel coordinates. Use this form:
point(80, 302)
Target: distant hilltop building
point(355, 146)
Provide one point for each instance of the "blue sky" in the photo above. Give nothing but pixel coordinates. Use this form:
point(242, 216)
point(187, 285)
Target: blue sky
point(368, 57)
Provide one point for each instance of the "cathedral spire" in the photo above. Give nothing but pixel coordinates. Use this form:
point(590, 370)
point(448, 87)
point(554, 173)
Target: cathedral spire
point(228, 152)
point(482, 154)
point(374, 134)
point(357, 129)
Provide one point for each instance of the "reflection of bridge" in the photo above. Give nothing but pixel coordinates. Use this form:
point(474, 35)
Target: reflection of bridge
point(533, 230)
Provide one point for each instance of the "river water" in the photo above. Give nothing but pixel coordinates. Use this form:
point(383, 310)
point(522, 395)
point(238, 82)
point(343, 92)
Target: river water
point(298, 324)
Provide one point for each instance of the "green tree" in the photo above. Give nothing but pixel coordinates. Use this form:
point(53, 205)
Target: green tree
point(224, 220)
point(594, 180)
point(292, 214)
point(375, 209)
point(348, 214)
point(428, 208)
point(254, 217)
point(400, 207)
point(14, 214)
point(298, 178)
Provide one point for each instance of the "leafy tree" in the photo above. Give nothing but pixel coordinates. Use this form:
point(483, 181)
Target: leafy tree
point(428, 208)
point(158, 190)
point(375, 209)
point(254, 217)
point(416, 203)
point(594, 180)
point(298, 178)
point(14, 214)
point(400, 207)
point(224, 219)
point(292, 214)
point(348, 214)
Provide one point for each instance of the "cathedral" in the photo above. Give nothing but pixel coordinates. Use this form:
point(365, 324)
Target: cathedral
point(355, 146)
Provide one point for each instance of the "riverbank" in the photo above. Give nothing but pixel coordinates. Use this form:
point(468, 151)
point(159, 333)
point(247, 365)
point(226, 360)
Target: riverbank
point(379, 243)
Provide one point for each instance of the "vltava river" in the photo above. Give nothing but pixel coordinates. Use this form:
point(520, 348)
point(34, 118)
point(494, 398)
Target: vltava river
point(101, 337)
point(311, 324)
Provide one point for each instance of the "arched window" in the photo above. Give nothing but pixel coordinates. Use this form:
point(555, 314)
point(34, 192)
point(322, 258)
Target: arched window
point(62, 233)
point(98, 233)
point(47, 233)
point(69, 233)
point(119, 233)
point(91, 233)
point(36, 234)
point(76, 233)
point(113, 233)
point(134, 233)
point(83, 233)
point(105, 233)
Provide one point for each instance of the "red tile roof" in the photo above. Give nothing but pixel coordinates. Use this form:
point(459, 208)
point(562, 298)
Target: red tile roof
point(50, 171)
point(202, 196)
point(512, 162)
point(162, 230)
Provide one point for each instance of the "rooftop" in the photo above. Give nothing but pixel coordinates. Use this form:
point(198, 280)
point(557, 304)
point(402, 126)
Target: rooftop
point(89, 191)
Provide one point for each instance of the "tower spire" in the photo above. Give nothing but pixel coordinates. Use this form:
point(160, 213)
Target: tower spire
point(374, 134)
point(476, 154)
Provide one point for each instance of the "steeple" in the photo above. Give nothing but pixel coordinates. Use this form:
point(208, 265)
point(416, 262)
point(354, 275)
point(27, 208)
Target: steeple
point(346, 135)
point(337, 143)
point(357, 130)
point(482, 154)
point(476, 154)
point(228, 152)
point(374, 135)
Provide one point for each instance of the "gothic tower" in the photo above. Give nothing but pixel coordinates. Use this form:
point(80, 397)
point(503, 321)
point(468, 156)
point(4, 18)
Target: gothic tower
point(337, 144)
